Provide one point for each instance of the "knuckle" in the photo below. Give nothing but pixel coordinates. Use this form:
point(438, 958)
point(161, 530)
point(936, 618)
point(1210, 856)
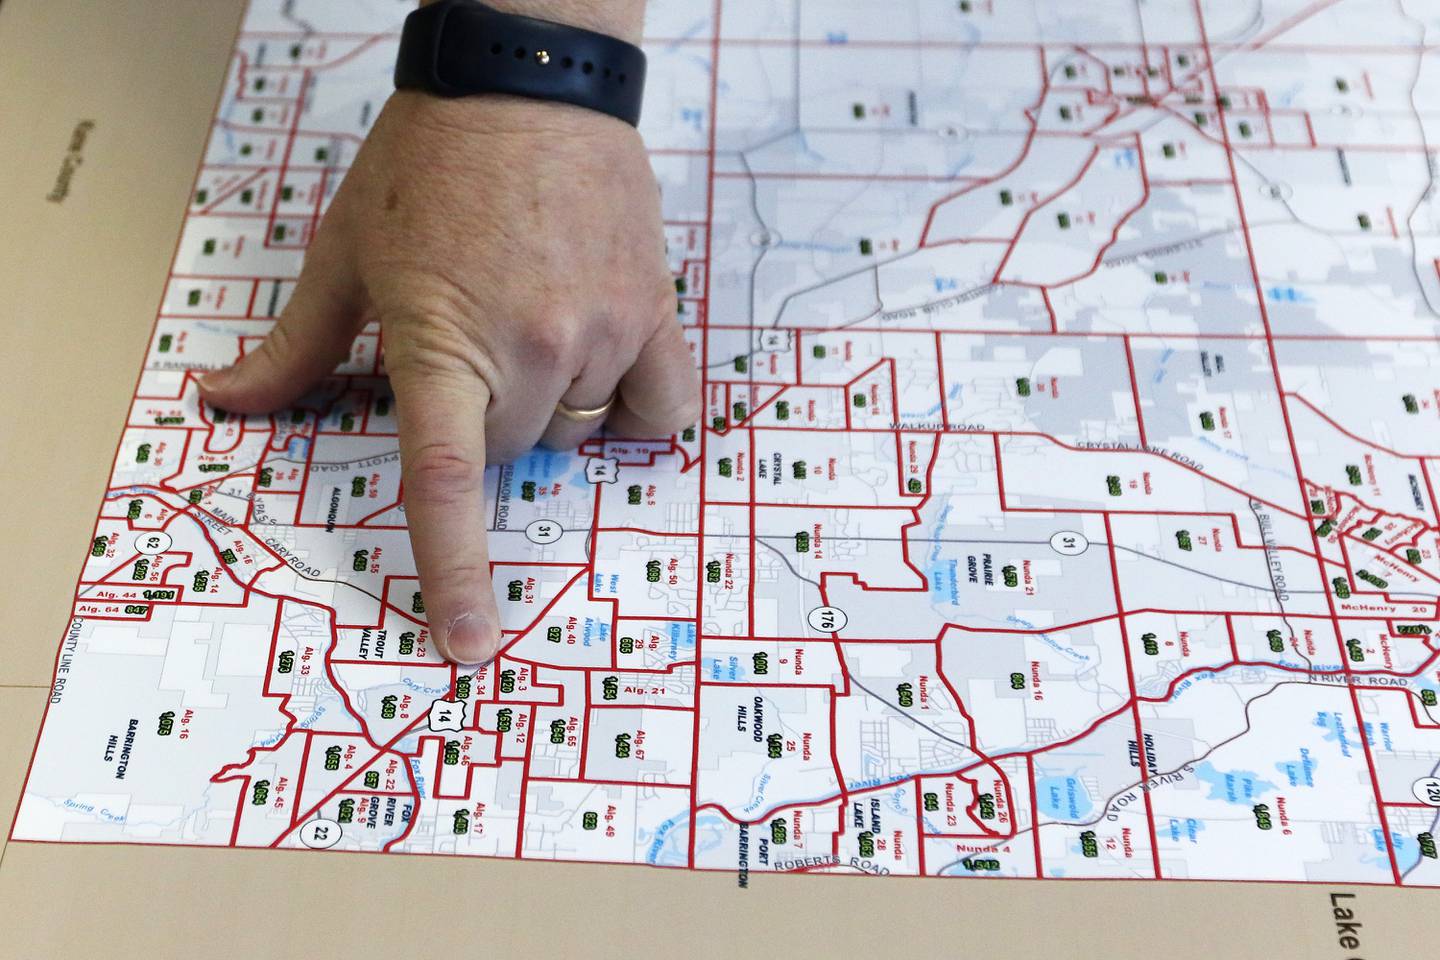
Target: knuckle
point(426, 313)
point(426, 327)
point(441, 472)
point(433, 302)
point(433, 352)
point(278, 345)
point(619, 328)
point(551, 338)
point(433, 358)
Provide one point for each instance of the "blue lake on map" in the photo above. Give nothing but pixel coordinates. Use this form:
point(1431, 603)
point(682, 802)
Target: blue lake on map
point(1299, 772)
point(1233, 786)
point(1063, 798)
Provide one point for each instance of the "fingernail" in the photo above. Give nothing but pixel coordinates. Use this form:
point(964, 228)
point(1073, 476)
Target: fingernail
point(216, 379)
point(468, 640)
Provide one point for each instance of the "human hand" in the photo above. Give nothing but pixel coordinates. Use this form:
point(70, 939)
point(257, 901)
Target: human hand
point(513, 254)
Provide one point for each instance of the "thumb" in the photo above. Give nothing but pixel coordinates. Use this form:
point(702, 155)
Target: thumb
point(311, 338)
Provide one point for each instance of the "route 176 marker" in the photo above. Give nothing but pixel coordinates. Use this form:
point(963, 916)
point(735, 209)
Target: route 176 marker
point(828, 619)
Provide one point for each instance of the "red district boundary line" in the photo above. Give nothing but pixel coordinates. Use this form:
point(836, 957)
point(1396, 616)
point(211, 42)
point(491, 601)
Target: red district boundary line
point(1011, 795)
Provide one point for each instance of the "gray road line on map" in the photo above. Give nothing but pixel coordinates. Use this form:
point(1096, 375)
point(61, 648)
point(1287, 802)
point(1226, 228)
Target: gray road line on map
point(786, 560)
point(1092, 669)
point(382, 456)
point(196, 519)
point(1300, 221)
point(873, 269)
point(1434, 822)
point(1275, 589)
point(765, 248)
point(743, 153)
point(338, 583)
point(1428, 158)
point(785, 303)
point(304, 576)
point(1119, 257)
point(1105, 807)
point(1254, 24)
point(914, 719)
point(1137, 7)
point(1130, 550)
point(1260, 588)
point(287, 12)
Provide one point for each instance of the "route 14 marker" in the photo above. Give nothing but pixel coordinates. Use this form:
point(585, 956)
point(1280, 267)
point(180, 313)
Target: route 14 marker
point(447, 715)
point(602, 469)
point(774, 341)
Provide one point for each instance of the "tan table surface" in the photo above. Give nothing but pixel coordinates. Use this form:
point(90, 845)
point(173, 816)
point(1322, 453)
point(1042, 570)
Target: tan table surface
point(79, 284)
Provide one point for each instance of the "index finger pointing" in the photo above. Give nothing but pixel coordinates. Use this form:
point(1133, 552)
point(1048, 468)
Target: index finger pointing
point(442, 465)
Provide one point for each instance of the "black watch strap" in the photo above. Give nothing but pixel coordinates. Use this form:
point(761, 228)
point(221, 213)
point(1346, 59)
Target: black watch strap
point(456, 48)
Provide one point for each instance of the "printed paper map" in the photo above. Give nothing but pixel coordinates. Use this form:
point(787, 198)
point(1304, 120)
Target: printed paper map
point(1065, 503)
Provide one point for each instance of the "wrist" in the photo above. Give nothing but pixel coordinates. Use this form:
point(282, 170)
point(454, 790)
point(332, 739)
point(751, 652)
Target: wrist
point(463, 49)
point(622, 19)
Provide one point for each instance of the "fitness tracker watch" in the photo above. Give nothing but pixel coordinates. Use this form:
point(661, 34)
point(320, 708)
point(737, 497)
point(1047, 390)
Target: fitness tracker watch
point(455, 48)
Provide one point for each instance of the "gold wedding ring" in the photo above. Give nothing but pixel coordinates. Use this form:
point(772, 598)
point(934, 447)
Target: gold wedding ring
point(577, 415)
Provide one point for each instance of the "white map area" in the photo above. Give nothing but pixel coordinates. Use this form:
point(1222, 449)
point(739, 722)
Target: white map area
point(1065, 503)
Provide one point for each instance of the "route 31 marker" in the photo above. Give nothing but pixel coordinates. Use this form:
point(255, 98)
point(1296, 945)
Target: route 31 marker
point(543, 531)
point(1068, 543)
point(153, 542)
point(320, 834)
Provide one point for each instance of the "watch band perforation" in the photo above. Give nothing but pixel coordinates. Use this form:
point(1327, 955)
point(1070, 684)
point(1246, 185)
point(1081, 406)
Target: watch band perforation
point(457, 48)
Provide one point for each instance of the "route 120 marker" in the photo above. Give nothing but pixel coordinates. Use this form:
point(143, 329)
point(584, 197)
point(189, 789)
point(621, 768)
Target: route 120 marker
point(1427, 790)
